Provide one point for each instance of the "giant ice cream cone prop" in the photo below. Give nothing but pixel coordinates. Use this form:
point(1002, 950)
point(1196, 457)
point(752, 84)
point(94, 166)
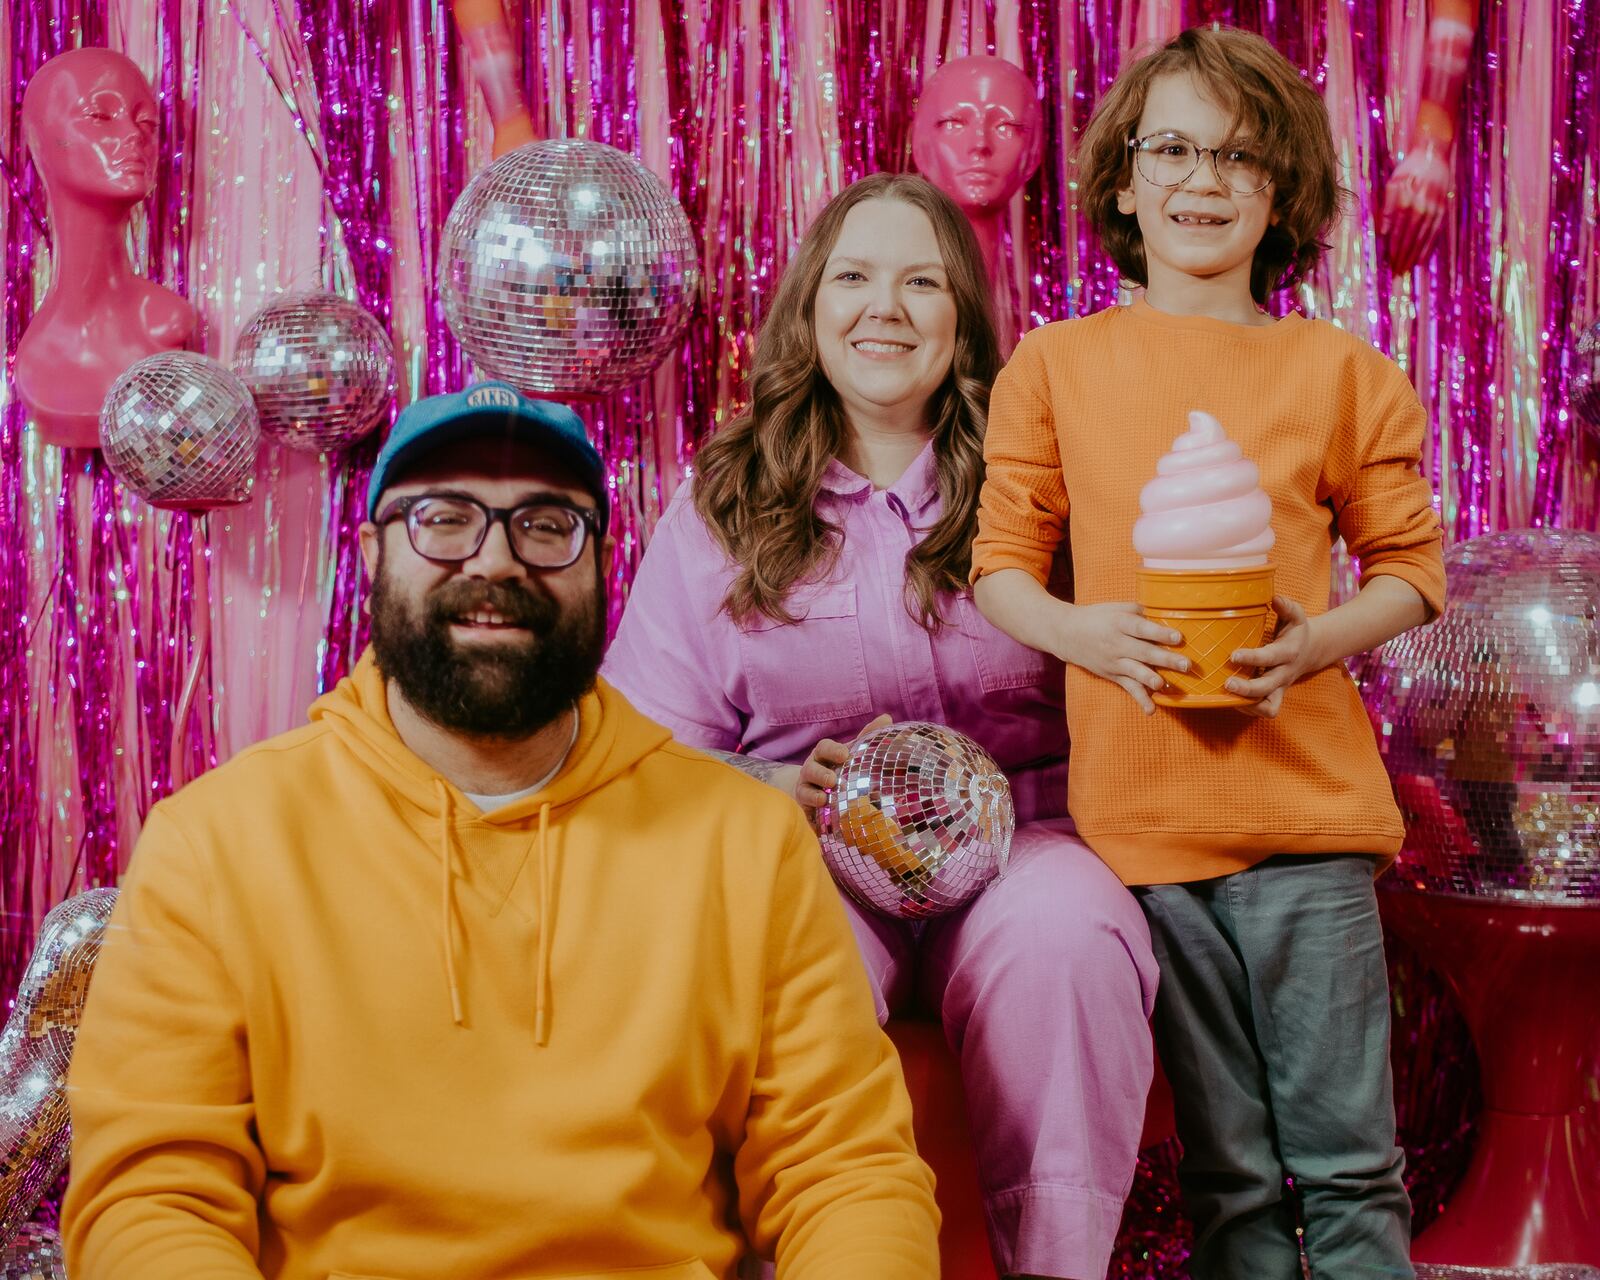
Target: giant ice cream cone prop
point(1204, 533)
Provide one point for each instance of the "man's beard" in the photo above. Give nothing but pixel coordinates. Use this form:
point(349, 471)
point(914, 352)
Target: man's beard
point(492, 690)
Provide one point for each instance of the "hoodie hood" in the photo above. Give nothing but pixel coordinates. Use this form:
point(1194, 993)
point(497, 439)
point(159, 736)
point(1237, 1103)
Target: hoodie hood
point(612, 738)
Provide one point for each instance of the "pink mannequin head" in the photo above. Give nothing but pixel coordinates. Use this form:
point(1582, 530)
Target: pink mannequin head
point(89, 119)
point(978, 132)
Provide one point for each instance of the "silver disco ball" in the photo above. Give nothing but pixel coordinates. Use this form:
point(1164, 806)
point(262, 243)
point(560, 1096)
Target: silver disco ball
point(568, 268)
point(920, 822)
point(35, 1254)
point(321, 370)
point(36, 1048)
point(1489, 722)
point(180, 430)
point(1583, 387)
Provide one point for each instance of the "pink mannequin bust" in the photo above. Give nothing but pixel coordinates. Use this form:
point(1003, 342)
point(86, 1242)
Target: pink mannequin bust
point(977, 136)
point(89, 120)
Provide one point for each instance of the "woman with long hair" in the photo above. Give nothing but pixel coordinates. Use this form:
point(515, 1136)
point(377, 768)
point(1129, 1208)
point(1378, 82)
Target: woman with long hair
point(812, 576)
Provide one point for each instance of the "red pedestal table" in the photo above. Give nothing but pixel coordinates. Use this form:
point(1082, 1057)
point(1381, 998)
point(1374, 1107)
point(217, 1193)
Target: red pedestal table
point(1528, 979)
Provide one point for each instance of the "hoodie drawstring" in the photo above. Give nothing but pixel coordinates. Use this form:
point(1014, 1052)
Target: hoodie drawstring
point(541, 1000)
point(447, 830)
point(541, 997)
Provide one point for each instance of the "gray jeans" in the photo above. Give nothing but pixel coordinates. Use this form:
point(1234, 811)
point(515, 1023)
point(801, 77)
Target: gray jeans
point(1272, 1021)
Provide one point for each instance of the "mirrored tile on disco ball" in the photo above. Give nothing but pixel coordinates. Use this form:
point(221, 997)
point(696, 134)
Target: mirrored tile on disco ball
point(33, 1254)
point(1583, 384)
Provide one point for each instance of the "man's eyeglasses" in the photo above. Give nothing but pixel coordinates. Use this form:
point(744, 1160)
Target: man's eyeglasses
point(450, 529)
point(1170, 159)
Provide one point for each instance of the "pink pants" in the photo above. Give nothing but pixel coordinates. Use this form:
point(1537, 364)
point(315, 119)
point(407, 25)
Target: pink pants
point(1045, 985)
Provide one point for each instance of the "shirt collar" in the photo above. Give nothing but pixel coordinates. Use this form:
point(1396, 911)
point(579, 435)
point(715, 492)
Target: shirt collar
point(916, 488)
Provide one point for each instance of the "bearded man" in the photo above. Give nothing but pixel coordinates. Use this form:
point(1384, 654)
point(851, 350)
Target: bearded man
point(480, 976)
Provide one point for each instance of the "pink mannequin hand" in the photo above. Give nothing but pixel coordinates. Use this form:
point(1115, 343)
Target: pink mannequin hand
point(1414, 205)
point(493, 58)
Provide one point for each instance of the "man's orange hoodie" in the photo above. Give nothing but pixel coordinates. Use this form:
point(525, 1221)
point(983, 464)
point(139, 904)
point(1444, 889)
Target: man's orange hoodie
point(347, 1026)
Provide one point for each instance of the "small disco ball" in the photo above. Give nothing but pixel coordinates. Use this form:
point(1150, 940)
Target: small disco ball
point(567, 267)
point(1489, 722)
point(321, 370)
point(920, 822)
point(1583, 388)
point(180, 430)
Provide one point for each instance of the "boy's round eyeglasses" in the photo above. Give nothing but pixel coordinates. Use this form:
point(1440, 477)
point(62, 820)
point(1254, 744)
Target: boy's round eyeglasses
point(1170, 159)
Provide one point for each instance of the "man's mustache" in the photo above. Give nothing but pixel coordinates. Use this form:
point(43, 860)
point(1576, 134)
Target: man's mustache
point(517, 605)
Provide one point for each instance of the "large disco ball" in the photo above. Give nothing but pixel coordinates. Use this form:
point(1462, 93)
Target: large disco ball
point(567, 267)
point(1489, 722)
point(36, 1049)
point(919, 823)
point(180, 430)
point(1583, 387)
point(321, 370)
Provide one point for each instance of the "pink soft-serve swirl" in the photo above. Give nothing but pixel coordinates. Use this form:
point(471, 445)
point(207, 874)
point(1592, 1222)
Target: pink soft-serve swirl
point(1205, 509)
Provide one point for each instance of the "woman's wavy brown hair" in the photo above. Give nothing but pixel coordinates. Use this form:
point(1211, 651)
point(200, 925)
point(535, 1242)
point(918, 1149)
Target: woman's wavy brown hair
point(1268, 102)
point(756, 480)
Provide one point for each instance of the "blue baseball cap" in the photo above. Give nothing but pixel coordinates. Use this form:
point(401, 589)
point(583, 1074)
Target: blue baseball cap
point(489, 409)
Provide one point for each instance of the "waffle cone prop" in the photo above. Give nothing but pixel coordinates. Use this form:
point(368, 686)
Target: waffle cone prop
point(1204, 532)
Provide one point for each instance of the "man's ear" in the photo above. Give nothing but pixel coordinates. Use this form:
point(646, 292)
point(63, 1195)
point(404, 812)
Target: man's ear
point(371, 542)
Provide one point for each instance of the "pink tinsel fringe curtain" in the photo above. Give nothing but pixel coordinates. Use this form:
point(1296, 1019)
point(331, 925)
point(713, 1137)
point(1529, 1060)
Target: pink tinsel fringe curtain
point(323, 145)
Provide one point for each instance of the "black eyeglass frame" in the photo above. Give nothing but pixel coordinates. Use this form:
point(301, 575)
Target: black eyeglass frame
point(401, 509)
point(1136, 145)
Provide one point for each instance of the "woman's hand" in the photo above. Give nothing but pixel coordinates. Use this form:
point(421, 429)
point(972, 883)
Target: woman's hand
point(1290, 655)
point(1118, 643)
point(810, 781)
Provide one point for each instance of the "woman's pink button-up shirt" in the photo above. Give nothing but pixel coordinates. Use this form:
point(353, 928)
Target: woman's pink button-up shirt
point(774, 690)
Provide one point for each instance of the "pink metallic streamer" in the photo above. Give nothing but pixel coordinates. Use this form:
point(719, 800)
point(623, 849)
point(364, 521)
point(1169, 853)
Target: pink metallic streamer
point(1567, 308)
point(352, 48)
point(36, 34)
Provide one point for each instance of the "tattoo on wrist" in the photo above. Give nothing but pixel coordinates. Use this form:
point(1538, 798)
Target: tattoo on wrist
point(762, 770)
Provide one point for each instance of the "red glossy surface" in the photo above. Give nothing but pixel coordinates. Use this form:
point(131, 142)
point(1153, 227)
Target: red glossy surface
point(1528, 979)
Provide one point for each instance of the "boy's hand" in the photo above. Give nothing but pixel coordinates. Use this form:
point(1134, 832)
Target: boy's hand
point(820, 771)
point(1289, 655)
point(1118, 643)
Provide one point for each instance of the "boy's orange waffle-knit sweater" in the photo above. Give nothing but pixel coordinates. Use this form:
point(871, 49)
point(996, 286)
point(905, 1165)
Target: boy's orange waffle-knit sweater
point(1077, 422)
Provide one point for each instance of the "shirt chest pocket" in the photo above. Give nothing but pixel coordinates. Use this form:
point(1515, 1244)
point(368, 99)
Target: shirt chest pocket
point(811, 670)
point(1004, 663)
